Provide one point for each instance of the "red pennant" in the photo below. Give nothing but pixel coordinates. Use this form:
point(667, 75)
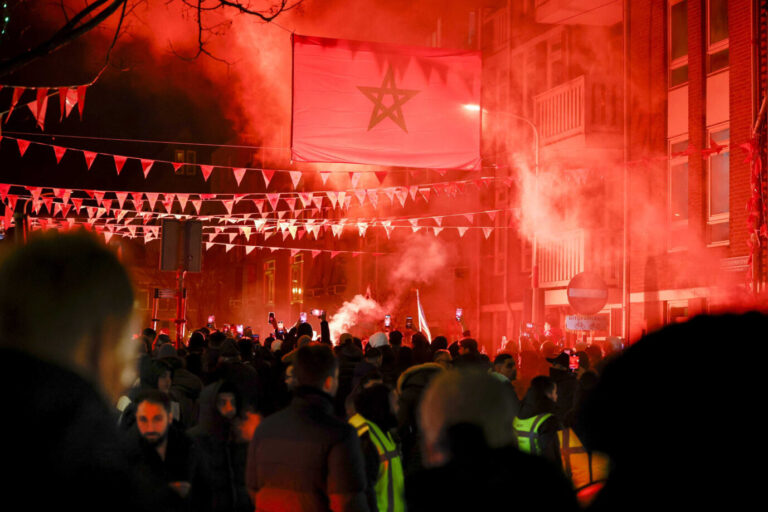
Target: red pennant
point(121, 197)
point(206, 170)
point(48, 201)
point(354, 179)
point(138, 201)
point(4, 188)
point(462, 230)
point(334, 254)
point(295, 178)
point(90, 156)
point(17, 92)
point(119, 162)
point(324, 176)
point(197, 203)
point(99, 195)
point(23, 145)
point(176, 166)
point(146, 165)
point(59, 152)
point(81, 99)
point(182, 200)
point(78, 202)
point(41, 106)
point(238, 172)
point(291, 201)
point(107, 204)
point(267, 174)
point(228, 205)
point(35, 191)
point(380, 175)
point(315, 253)
point(71, 100)
point(62, 102)
point(152, 198)
point(273, 199)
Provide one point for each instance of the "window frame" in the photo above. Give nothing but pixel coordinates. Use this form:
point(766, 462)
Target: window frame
point(713, 48)
point(297, 292)
point(672, 161)
point(270, 268)
point(725, 217)
point(679, 62)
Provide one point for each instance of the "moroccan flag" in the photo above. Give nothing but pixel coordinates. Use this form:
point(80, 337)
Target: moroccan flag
point(384, 104)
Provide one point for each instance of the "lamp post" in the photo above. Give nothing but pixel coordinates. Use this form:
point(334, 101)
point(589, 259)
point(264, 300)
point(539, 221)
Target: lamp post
point(535, 313)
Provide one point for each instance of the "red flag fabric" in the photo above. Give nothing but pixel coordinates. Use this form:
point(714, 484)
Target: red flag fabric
point(370, 103)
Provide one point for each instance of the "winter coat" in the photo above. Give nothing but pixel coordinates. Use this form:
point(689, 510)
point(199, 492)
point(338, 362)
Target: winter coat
point(63, 449)
point(303, 458)
point(223, 458)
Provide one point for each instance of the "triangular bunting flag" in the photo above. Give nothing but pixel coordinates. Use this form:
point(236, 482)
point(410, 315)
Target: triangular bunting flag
point(360, 194)
point(138, 201)
point(492, 215)
point(295, 178)
point(324, 176)
point(413, 190)
point(273, 199)
point(90, 156)
point(152, 198)
point(438, 220)
point(437, 230)
point(208, 245)
point(121, 197)
point(176, 166)
point(35, 191)
point(229, 247)
point(182, 200)
point(71, 100)
point(334, 254)
point(291, 201)
point(197, 203)
point(267, 174)
point(78, 203)
point(249, 249)
point(206, 170)
point(228, 205)
point(470, 217)
point(354, 179)
point(315, 253)
point(146, 165)
point(119, 162)
point(23, 145)
point(462, 230)
point(238, 173)
point(380, 175)
point(59, 152)
point(17, 92)
point(373, 197)
point(425, 193)
point(81, 99)
point(487, 232)
point(306, 199)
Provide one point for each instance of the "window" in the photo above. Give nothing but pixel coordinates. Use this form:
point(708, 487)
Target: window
point(269, 282)
point(188, 157)
point(297, 279)
point(718, 188)
point(678, 43)
point(678, 191)
point(717, 35)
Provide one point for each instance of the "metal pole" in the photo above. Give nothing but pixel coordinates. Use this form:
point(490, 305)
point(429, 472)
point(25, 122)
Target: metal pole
point(625, 298)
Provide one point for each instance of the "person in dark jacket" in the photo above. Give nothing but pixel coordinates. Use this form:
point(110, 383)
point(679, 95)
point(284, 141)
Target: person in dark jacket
point(65, 356)
point(303, 458)
point(223, 448)
point(163, 449)
point(566, 382)
point(468, 445)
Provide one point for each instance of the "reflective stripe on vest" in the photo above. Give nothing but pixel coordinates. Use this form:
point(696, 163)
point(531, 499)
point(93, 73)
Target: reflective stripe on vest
point(390, 485)
point(581, 466)
point(527, 430)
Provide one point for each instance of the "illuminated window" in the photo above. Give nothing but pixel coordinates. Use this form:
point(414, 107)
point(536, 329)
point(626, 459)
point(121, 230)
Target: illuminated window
point(678, 42)
point(187, 157)
point(678, 190)
point(718, 178)
point(269, 282)
point(297, 279)
point(717, 35)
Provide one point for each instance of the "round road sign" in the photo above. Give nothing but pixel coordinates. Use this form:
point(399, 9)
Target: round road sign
point(587, 293)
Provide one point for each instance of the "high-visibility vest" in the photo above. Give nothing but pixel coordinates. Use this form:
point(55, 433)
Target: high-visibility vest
point(527, 430)
point(581, 466)
point(390, 484)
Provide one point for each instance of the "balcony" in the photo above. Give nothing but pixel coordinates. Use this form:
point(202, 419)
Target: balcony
point(570, 252)
point(578, 12)
point(580, 115)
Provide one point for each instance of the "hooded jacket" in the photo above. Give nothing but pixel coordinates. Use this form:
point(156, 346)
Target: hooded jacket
point(223, 455)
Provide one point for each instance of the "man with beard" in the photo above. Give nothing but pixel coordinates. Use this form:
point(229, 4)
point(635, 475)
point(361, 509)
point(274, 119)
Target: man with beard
point(165, 450)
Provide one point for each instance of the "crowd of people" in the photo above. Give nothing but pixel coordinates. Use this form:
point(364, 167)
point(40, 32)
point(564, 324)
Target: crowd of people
point(389, 422)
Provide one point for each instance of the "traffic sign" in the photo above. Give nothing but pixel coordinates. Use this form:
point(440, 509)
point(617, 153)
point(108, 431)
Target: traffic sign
point(587, 293)
point(586, 322)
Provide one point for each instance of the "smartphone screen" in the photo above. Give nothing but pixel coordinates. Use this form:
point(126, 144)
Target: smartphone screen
point(409, 322)
point(211, 319)
point(280, 326)
point(387, 320)
point(271, 317)
point(239, 328)
point(573, 363)
point(315, 312)
point(303, 316)
point(459, 313)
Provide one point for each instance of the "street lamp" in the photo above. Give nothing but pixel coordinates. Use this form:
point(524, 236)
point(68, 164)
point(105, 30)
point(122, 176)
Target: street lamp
point(535, 313)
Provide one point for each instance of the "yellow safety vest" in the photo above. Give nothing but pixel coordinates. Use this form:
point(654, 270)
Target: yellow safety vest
point(390, 484)
point(581, 466)
point(527, 430)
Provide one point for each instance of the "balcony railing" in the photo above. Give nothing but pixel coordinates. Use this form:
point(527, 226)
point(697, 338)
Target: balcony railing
point(561, 258)
point(560, 111)
point(575, 251)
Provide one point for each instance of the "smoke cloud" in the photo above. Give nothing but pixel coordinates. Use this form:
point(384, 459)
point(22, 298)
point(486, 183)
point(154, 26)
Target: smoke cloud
point(355, 313)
